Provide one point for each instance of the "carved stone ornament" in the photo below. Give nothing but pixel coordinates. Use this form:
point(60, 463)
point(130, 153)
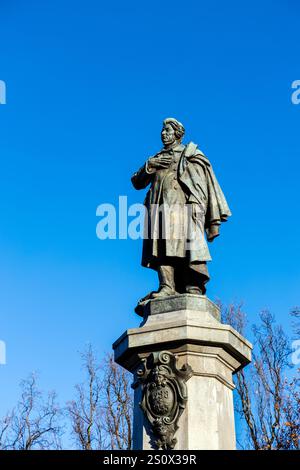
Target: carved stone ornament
point(164, 395)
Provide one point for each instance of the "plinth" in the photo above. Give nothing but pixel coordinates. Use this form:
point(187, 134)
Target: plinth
point(182, 359)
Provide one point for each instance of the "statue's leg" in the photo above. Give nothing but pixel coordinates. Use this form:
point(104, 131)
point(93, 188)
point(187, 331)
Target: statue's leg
point(166, 282)
point(195, 279)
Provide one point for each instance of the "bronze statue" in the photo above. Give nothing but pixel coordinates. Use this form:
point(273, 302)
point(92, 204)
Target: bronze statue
point(183, 185)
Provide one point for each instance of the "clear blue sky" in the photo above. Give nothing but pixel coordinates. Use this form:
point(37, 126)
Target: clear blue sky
point(88, 85)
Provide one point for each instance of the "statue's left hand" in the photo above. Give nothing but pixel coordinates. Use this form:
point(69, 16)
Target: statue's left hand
point(213, 232)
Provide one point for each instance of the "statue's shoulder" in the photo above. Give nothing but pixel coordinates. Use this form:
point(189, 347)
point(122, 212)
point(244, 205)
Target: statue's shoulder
point(189, 149)
point(192, 150)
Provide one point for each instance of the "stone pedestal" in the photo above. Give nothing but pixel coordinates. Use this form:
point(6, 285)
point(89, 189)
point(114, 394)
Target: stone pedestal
point(189, 327)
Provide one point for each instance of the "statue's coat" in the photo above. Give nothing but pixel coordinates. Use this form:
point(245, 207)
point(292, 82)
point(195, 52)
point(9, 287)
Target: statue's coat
point(201, 191)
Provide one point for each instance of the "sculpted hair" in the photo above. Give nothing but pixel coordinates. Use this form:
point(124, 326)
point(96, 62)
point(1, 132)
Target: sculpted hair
point(177, 126)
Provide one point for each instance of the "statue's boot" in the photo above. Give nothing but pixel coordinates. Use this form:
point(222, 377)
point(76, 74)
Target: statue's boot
point(195, 283)
point(195, 290)
point(166, 282)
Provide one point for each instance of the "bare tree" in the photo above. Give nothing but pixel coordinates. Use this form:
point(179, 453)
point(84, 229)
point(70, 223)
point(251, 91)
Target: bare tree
point(234, 315)
point(34, 423)
point(85, 411)
point(292, 405)
point(295, 313)
point(5, 424)
point(101, 413)
point(268, 400)
point(119, 404)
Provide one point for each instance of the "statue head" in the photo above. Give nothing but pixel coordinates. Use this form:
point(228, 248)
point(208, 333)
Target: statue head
point(172, 131)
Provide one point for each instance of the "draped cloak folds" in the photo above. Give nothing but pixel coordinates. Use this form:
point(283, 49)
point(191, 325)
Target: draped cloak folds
point(202, 194)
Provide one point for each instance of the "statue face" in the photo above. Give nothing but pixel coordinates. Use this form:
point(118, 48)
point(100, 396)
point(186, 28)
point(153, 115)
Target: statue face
point(168, 135)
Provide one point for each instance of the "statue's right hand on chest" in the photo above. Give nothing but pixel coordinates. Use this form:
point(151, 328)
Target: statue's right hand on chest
point(158, 162)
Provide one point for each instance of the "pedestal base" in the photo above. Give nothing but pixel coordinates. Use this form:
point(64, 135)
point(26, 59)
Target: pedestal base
point(189, 327)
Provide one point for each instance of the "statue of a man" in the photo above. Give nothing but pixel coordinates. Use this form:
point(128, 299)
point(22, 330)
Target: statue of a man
point(182, 180)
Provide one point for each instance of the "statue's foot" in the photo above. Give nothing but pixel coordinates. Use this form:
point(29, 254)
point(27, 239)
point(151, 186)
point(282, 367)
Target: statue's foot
point(139, 309)
point(147, 297)
point(194, 290)
point(164, 291)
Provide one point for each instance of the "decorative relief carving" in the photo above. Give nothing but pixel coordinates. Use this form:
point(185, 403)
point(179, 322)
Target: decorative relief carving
point(164, 395)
